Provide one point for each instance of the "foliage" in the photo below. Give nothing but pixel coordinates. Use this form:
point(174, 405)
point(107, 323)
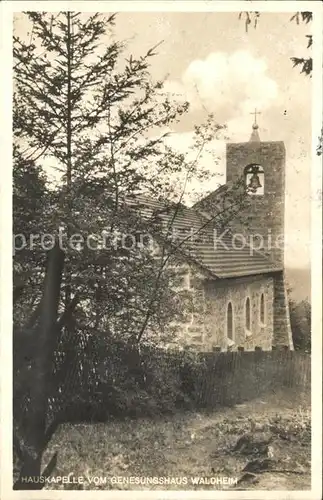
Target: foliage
point(114, 378)
point(183, 443)
point(31, 200)
point(300, 318)
point(319, 146)
point(120, 380)
point(78, 108)
point(297, 427)
point(248, 18)
point(87, 109)
point(92, 114)
point(306, 64)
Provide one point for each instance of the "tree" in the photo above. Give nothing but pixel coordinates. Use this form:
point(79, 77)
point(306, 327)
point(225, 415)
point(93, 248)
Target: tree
point(60, 118)
point(96, 117)
point(33, 361)
point(31, 200)
point(300, 318)
point(306, 64)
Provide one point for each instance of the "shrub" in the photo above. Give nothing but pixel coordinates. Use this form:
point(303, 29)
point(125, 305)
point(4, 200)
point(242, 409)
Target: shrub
point(300, 318)
point(118, 379)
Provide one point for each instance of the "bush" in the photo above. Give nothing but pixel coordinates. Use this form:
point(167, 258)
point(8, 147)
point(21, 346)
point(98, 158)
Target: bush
point(300, 318)
point(122, 380)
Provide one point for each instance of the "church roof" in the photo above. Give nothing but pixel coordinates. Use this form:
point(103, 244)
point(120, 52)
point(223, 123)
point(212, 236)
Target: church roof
point(198, 239)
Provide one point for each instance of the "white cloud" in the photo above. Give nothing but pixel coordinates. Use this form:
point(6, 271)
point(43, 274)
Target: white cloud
point(230, 85)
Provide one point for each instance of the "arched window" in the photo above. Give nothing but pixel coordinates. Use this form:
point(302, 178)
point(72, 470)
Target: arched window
point(254, 179)
point(230, 321)
point(262, 309)
point(247, 314)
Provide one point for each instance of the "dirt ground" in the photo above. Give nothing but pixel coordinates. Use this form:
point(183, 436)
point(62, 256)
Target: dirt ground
point(190, 445)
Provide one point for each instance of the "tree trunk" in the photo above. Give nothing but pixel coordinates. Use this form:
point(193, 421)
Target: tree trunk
point(41, 374)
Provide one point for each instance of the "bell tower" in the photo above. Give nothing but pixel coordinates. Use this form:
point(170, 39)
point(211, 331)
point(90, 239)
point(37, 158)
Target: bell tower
point(262, 165)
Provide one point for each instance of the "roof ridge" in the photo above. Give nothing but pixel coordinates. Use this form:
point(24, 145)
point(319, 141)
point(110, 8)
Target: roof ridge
point(207, 255)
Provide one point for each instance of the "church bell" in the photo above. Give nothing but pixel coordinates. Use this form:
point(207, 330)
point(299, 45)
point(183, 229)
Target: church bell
point(254, 183)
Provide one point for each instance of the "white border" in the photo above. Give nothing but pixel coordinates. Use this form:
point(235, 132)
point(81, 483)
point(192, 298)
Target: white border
point(6, 10)
point(162, 6)
point(316, 255)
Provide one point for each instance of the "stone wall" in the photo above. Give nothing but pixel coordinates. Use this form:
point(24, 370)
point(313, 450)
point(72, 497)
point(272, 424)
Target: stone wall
point(204, 324)
point(190, 328)
point(282, 327)
point(266, 212)
point(219, 294)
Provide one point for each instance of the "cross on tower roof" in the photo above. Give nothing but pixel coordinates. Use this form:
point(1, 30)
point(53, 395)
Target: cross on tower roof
point(255, 136)
point(255, 112)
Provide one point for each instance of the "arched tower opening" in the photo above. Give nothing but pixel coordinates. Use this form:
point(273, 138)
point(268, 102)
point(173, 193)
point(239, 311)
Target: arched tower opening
point(254, 179)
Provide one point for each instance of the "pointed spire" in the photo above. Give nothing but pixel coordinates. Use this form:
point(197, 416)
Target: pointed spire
point(255, 135)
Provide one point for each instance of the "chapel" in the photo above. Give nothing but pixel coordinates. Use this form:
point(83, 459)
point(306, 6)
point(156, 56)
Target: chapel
point(234, 268)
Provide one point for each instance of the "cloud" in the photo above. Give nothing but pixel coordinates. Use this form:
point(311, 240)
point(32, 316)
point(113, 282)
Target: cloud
point(229, 85)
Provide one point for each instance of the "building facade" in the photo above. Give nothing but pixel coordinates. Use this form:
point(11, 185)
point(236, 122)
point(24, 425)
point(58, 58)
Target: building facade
point(235, 280)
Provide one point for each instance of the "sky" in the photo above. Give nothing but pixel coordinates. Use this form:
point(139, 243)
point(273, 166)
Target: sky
point(210, 60)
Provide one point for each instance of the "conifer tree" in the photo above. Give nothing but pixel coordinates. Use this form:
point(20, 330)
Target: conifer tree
point(97, 117)
point(305, 63)
point(88, 114)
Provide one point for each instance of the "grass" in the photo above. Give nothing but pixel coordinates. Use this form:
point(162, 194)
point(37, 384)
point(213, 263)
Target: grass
point(188, 445)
